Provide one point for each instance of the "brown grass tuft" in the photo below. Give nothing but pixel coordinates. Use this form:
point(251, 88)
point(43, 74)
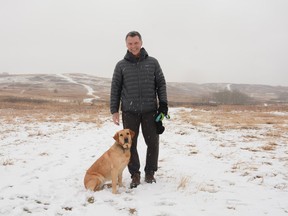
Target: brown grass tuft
point(269, 147)
point(132, 211)
point(183, 183)
point(8, 162)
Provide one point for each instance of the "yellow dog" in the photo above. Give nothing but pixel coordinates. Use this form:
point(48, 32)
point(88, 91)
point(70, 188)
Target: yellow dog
point(111, 164)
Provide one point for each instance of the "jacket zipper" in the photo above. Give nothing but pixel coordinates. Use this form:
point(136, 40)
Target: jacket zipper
point(139, 86)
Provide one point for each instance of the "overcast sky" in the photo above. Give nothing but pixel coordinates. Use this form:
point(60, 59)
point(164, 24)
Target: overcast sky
point(199, 41)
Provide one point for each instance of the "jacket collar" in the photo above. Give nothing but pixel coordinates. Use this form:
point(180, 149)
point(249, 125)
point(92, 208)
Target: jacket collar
point(131, 58)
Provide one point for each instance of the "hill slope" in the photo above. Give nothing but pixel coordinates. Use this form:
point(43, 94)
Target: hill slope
point(79, 87)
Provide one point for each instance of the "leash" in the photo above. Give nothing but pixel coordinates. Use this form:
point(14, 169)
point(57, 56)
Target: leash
point(161, 116)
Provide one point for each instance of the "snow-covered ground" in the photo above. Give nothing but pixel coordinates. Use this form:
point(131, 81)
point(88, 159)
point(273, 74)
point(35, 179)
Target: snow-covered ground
point(202, 170)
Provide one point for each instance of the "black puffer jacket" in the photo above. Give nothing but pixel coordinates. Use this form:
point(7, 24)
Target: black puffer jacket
point(137, 84)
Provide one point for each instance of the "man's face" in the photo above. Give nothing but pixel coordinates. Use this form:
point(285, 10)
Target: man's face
point(134, 45)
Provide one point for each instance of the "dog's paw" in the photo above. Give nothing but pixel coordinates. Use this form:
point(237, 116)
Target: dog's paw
point(122, 185)
point(115, 192)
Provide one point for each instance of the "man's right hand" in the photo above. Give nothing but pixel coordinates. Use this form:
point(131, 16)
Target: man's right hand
point(115, 117)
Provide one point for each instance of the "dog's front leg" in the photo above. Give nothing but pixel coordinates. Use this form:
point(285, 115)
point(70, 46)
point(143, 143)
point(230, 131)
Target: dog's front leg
point(114, 175)
point(120, 183)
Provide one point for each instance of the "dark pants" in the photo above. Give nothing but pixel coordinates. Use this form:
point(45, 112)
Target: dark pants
point(148, 126)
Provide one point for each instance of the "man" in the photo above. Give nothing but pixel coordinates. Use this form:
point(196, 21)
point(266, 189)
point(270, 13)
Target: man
point(139, 85)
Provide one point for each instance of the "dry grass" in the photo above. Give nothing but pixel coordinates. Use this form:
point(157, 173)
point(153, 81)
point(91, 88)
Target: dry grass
point(271, 146)
point(238, 117)
point(47, 111)
point(132, 211)
point(208, 187)
point(183, 183)
point(41, 108)
point(7, 162)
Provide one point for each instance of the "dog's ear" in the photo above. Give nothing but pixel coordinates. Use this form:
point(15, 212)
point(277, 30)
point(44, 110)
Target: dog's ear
point(132, 133)
point(116, 137)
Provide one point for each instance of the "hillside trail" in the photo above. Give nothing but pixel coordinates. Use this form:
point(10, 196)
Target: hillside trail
point(90, 90)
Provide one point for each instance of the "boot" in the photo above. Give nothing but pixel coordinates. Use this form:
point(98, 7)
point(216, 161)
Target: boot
point(135, 180)
point(149, 178)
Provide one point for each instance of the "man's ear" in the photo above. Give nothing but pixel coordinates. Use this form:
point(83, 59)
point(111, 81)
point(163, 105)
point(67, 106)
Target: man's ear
point(116, 137)
point(132, 133)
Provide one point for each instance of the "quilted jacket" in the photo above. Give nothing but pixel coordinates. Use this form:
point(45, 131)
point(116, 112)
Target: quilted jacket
point(138, 84)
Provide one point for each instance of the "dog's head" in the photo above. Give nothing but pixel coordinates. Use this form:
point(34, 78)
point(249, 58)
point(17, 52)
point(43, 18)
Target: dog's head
point(124, 138)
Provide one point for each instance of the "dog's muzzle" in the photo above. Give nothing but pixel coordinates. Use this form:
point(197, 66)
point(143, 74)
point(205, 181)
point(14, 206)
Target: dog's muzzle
point(126, 140)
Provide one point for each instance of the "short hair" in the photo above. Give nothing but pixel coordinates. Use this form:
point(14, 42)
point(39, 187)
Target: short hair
point(133, 34)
